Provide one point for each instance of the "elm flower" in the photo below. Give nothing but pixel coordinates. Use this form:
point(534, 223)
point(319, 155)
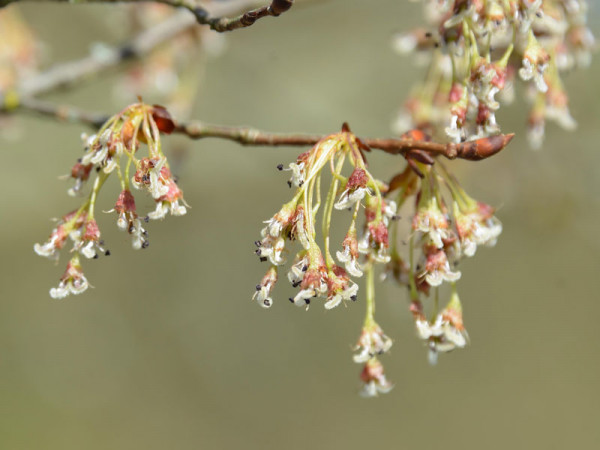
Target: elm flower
point(314, 284)
point(263, 290)
point(459, 103)
point(350, 254)
point(372, 342)
point(129, 221)
point(374, 379)
point(476, 225)
point(375, 242)
point(169, 202)
point(298, 170)
point(150, 175)
point(534, 63)
point(72, 282)
point(80, 172)
point(90, 241)
point(356, 189)
point(430, 220)
point(69, 224)
point(446, 332)
point(298, 268)
point(437, 267)
point(339, 288)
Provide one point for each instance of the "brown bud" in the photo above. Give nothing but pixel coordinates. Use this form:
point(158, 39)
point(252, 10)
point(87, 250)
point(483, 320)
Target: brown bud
point(280, 6)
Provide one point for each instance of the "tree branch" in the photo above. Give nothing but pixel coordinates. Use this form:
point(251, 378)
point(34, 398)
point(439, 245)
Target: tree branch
point(221, 24)
point(202, 15)
point(471, 150)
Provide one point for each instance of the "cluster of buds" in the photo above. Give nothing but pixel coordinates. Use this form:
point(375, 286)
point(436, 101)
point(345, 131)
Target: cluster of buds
point(115, 149)
point(478, 51)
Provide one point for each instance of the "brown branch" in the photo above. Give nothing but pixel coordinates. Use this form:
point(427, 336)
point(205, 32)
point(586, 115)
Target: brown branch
point(472, 150)
point(221, 24)
point(202, 15)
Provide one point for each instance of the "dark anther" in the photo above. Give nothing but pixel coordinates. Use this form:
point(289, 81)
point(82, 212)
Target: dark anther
point(289, 183)
point(291, 300)
point(300, 184)
point(436, 44)
point(263, 259)
point(258, 287)
point(79, 160)
point(96, 256)
point(107, 253)
point(428, 34)
point(145, 233)
point(418, 267)
point(257, 243)
point(296, 283)
point(146, 219)
point(267, 302)
point(101, 242)
point(307, 301)
point(396, 217)
point(304, 268)
point(145, 244)
point(258, 251)
point(131, 229)
point(279, 166)
point(98, 169)
point(353, 298)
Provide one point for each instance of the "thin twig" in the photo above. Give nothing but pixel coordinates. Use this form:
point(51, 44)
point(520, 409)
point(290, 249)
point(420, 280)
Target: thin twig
point(222, 24)
point(201, 14)
point(471, 150)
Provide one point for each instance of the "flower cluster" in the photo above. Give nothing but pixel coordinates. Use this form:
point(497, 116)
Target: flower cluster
point(480, 48)
point(314, 271)
point(114, 149)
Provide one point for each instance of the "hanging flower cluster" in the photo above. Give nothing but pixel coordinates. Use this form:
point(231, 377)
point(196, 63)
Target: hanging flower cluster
point(479, 49)
point(446, 225)
point(313, 270)
point(115, 149)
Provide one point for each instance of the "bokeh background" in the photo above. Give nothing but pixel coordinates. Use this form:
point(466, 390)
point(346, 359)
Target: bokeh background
point(169, 352)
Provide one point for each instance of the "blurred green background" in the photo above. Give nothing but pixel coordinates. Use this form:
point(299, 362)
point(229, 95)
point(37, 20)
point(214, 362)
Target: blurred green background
point(168, 351)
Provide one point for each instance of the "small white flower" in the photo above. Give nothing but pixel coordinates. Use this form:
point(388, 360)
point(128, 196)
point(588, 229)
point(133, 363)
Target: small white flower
point(350, 197)
point(348, 293)
point(535, 71)
point(372, 342)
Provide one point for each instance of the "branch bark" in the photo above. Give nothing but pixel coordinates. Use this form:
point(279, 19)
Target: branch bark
point(471, 150)
point(201, 14)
